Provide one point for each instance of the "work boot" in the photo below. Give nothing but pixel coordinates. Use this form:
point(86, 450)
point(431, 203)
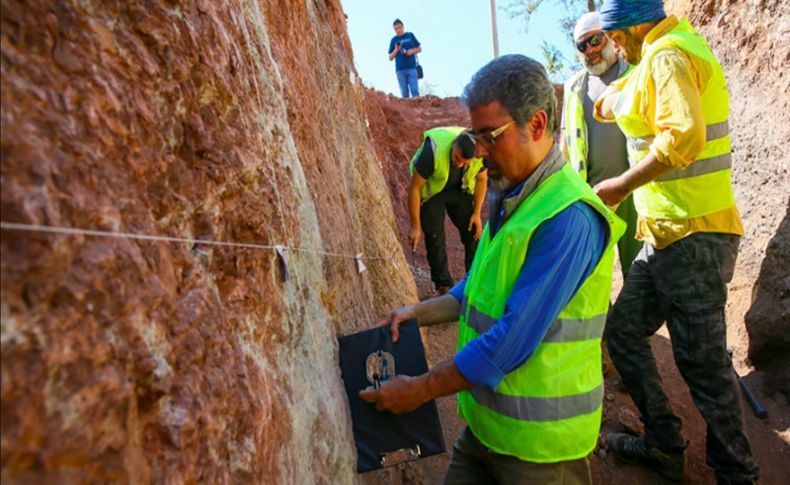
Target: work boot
point(632, 449)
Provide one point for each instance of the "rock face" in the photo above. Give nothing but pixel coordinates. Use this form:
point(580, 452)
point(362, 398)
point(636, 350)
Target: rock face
point(150, 361)
point(751, 41)
point(769, 316)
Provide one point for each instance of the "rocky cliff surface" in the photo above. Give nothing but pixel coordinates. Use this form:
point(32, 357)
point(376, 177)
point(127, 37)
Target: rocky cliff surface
point(148, 361)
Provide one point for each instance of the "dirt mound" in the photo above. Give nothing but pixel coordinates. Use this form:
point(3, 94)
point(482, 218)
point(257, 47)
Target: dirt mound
point(768, 316)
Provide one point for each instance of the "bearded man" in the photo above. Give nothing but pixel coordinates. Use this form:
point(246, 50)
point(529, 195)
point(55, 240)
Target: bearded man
point(597, 150)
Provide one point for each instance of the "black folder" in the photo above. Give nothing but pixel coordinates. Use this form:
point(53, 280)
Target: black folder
point(382, 438)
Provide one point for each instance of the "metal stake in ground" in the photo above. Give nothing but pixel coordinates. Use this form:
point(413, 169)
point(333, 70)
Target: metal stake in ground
point(758, 408)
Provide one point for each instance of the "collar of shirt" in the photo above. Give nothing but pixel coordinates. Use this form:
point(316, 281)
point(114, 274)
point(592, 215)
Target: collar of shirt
point(622, 66)
point(662, 28)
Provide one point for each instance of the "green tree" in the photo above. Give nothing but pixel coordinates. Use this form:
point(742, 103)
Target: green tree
point(555, 60)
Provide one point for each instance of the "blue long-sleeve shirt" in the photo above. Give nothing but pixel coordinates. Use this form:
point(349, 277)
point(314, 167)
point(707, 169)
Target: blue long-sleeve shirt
point(562, 253)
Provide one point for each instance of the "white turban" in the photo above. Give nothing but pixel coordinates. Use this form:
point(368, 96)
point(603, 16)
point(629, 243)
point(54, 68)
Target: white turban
point(589, 22)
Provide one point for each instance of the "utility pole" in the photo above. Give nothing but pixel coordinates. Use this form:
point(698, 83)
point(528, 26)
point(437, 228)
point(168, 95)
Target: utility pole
point(494, 32)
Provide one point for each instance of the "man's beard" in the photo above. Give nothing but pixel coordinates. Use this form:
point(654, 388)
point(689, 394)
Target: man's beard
point(608, 59)
point(496, 180)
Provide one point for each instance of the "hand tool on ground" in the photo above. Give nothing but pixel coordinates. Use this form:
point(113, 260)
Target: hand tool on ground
point(757, 408)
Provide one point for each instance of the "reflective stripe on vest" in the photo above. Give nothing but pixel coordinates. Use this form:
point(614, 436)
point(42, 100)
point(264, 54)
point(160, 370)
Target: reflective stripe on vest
point(442, 140)
point(561, 329)
point(539, 408)
point(701, 166)
point(548, 409)
point(575, 127)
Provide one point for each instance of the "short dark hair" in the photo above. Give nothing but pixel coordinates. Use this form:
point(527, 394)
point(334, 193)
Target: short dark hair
point(519, 83)
point(466, 144)
point(397, 21)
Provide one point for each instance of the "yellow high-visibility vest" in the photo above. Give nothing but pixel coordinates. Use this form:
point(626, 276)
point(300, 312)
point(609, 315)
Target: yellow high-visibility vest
point(573, 116)
point(443, 138)
point(548, 409)
point(704, 187)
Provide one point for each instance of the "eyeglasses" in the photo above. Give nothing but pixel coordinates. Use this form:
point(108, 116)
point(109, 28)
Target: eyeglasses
point(594, 40)
point(488, 138)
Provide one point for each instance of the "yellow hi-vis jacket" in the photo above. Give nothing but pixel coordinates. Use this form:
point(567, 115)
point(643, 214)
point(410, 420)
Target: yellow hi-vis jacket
point(703, 187)
point(575, 126)
point(443, 138)
point(548, 409)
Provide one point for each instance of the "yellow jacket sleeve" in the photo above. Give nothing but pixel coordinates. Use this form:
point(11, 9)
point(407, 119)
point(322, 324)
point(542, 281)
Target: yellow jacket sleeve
point(612, 90)
point(678, 118)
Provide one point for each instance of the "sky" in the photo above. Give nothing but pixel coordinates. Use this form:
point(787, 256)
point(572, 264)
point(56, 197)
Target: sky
point(455, 36)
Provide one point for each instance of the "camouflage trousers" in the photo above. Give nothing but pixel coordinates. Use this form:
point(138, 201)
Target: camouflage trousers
point(684, 285)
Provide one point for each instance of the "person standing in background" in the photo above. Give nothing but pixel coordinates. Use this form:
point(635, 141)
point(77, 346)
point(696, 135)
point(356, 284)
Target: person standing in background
point(403, 49)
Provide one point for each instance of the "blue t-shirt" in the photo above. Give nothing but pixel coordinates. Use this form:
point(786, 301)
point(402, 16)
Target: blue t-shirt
point(407, 41)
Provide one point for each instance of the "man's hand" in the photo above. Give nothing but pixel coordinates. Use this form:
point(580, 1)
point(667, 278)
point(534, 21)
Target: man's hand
point(607, 101)
point(399, 395)
point(395, 51)
point(402, 394)
point(396, 319)
point(476, 225)
point(414, 237)
point(612, 191)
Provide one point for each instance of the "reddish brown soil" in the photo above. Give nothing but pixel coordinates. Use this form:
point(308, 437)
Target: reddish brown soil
point(396, 126)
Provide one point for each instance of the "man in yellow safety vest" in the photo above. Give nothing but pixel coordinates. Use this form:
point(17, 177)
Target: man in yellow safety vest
point(532, 308)
point(446, 178)
point(673, 109)
point(597, 150)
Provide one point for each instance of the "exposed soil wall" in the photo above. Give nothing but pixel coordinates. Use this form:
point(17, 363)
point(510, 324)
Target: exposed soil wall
point(140, 361)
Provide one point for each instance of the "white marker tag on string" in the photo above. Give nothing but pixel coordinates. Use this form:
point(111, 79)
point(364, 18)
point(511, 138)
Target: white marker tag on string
point(360, 265)
point(282, 257)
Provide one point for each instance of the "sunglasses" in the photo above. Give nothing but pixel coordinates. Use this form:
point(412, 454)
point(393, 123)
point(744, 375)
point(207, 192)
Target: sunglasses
point(488, 138)
point(594, 40)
